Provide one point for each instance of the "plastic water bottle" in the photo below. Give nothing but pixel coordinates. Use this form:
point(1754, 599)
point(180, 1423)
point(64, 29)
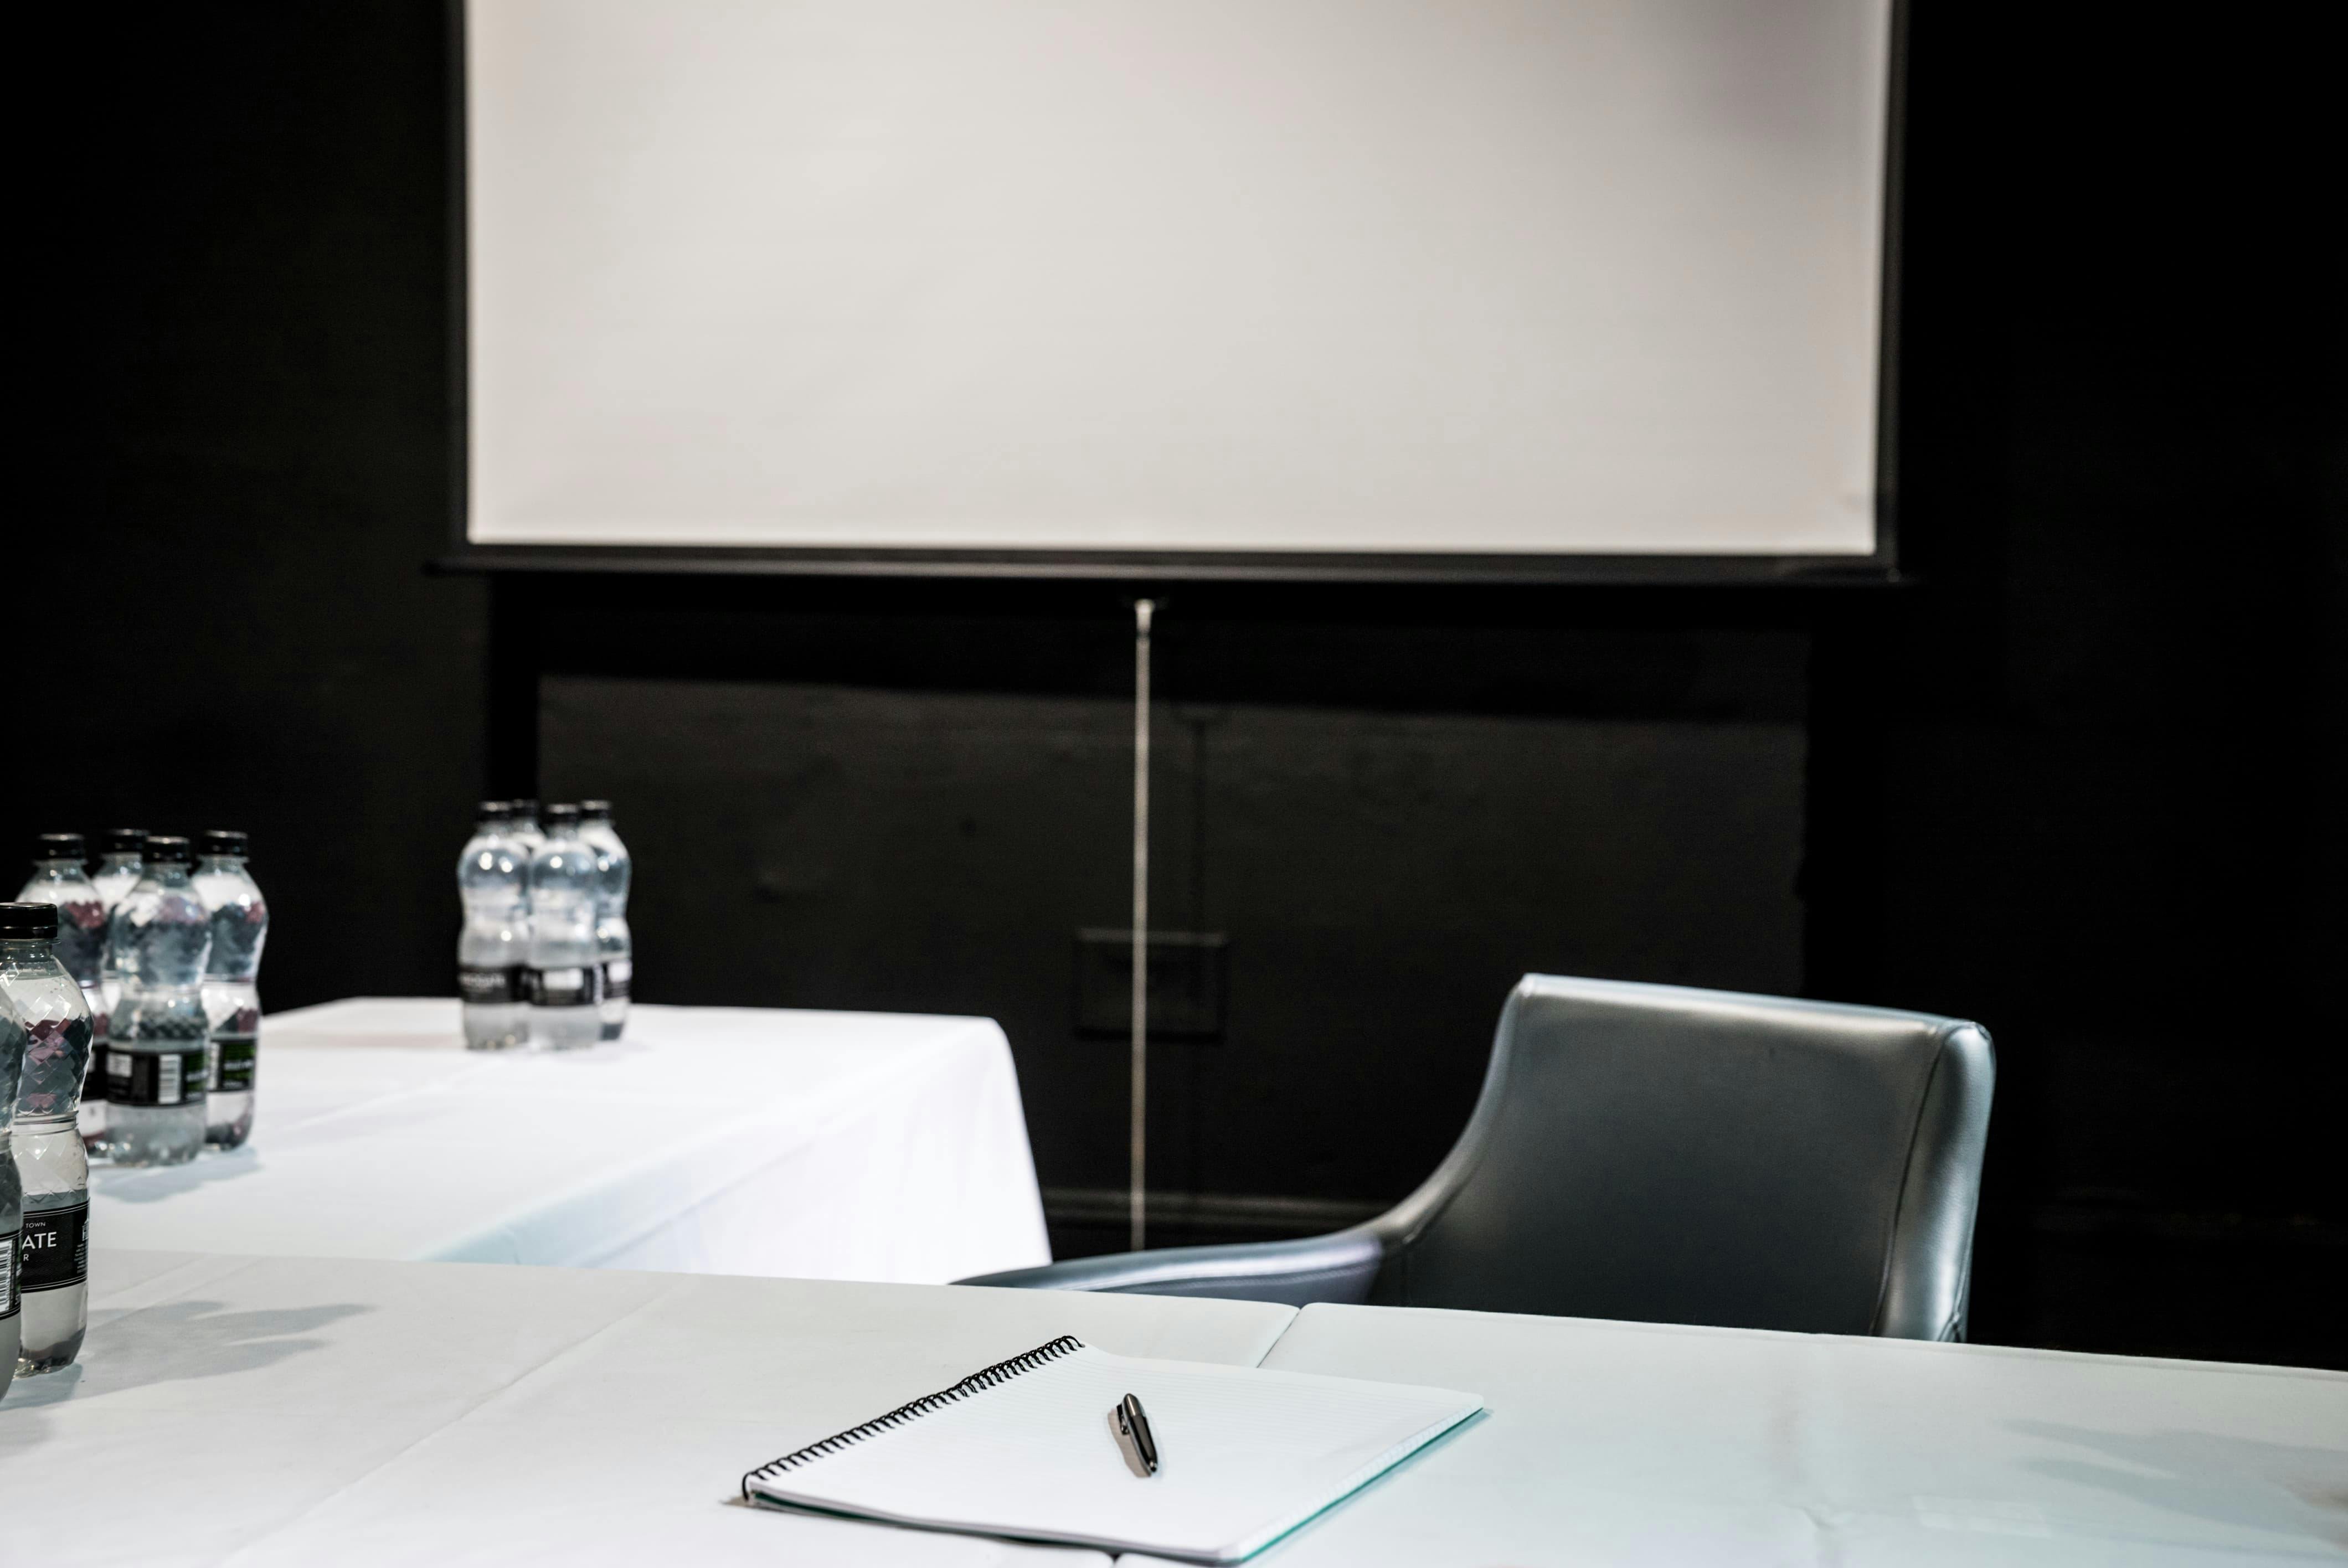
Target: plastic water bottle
point(12, 1201)
point(565, 976)
point(614, 945)
point(493, 949)
point(239, 920)
point(118, 871)
point(52, 1274)
point(121, 864)
point(155, 1058)
point(58, 878)
point(521, 825)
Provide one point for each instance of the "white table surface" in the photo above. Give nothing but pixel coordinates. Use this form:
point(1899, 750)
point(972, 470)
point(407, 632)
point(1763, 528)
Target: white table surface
point(1642, 1443)
point(299, 1411)
point(288, 1410)
point(709, 1140)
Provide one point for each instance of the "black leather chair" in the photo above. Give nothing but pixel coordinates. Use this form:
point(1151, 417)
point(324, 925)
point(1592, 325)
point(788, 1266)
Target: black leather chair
point(1667, 1155)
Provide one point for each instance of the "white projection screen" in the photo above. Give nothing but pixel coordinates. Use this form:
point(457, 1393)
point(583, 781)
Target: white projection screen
point(1208, 280)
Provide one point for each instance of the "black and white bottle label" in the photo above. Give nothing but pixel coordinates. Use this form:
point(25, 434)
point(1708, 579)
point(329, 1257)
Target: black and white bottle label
point(170, 1076)
point(618, 974)
point(12, 1255)
point(579, 986)
point(482, 985)
point(93, 1083)
point(56, 1246)
point(233, 1057)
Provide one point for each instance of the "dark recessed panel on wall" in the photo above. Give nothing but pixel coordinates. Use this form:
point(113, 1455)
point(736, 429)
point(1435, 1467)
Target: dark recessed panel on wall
point(1187, 971)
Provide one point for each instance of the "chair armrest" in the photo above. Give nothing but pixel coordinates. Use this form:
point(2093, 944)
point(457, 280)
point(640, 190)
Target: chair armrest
point(1338, 1267)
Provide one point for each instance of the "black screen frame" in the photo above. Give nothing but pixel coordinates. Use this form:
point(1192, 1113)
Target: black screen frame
point(1881, 567)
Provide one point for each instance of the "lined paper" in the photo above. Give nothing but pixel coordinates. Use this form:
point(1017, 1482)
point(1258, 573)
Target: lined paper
point(1245, 1455)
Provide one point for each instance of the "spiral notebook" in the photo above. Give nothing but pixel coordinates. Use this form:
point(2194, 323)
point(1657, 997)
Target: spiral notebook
point(1023, 1450)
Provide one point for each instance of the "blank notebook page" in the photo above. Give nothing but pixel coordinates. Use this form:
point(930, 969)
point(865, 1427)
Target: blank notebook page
point(1245, 1455)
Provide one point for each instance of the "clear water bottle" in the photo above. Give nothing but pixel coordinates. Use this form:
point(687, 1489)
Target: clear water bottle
point(12, 1201)
point(52, 1171)
point(493, 949)
point(121, 864)
point(564, 978)
point(240, 918)
point(120, 867)
point(155, 1058)
point(614, 945)
point(521, 827)
point(59, 879)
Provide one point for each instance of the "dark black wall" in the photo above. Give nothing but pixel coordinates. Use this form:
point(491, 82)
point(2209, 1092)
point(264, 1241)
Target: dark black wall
point(241, 373)
point(2110, 779)
point(2085, 784)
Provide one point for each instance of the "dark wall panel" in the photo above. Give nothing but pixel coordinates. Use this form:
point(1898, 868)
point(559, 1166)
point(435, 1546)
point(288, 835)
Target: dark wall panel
point(1383, 879)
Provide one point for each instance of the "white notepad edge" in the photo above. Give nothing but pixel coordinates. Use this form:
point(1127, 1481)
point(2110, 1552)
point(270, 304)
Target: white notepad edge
point(1383, 1464)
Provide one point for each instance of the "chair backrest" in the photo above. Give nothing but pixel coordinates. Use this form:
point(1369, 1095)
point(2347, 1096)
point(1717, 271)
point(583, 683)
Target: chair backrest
point(1673, 1155)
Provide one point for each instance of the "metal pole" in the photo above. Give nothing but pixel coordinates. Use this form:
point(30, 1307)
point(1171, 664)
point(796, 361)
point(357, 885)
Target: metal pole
point(1140, 1128)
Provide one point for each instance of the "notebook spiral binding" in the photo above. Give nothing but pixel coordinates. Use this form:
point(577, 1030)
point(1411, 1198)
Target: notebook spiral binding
point(985, 1377)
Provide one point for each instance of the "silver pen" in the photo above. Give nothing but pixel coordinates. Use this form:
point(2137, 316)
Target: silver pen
point(1130, 1426)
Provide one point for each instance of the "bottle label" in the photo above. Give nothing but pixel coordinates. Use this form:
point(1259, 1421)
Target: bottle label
point(576, 987)
point(233, 1058)
point(12, 1252)
point(57, 1247)
point(155, 1077)
point(484, 985)
point(93, 1083)
point(618, 973)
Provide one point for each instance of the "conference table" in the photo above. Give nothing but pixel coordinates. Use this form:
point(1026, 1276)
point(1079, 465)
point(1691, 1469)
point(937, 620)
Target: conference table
point(829, 1145)
point(295, 1411)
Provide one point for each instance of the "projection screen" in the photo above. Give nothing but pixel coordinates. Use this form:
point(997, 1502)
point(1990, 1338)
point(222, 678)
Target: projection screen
point(1223, 281)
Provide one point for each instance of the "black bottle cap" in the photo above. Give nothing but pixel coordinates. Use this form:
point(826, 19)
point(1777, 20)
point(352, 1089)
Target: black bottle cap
point(562, 817)
point(226, 841)
point(523, 807)
point(594, 811)
point(125, 840)
point(61, 846)
point(491, 812)
point(165, 849)
point(28, 922)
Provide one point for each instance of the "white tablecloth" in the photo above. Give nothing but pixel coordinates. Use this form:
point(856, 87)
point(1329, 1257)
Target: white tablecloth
point(300, 1410)
point(1635, 1443)
point(710, 1140)
point(307, 1411)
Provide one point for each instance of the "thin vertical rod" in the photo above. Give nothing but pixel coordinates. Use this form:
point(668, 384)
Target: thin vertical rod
point(1139, 1127)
